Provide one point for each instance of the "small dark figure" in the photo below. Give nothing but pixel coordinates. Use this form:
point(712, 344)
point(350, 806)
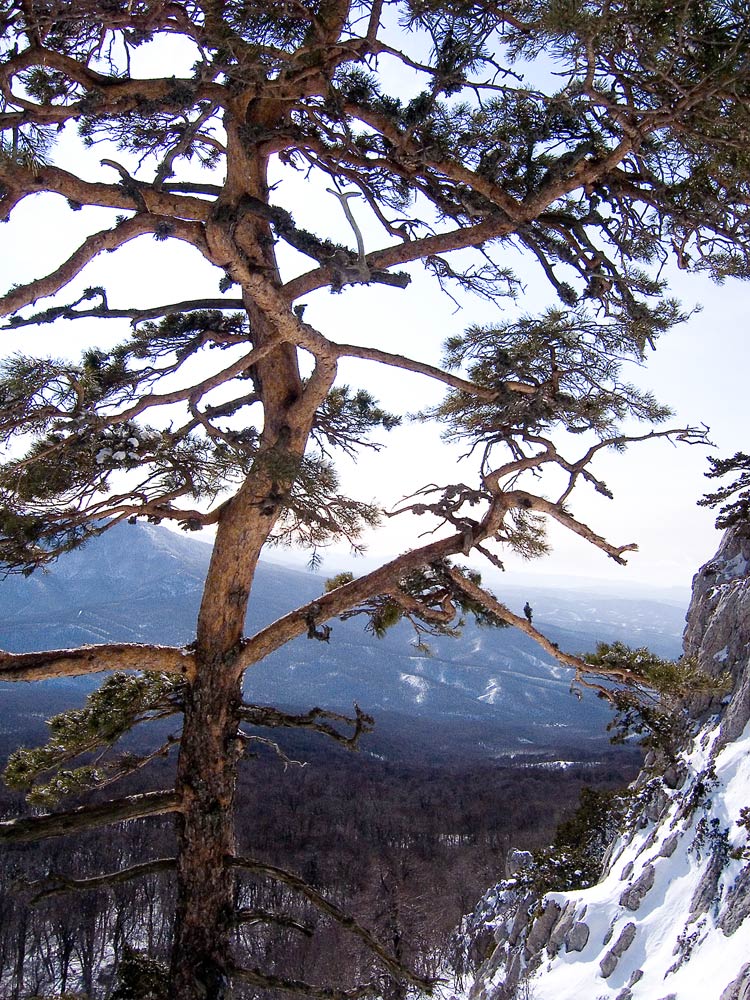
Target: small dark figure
point(528, 611)
point(314, 631)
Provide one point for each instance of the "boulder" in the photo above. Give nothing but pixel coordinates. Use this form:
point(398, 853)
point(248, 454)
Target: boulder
point(541, 929)
point(668, 846)
point(609, 963)
point(739, 988)
point(577, 937)
point(737, 904)
point(632, 897)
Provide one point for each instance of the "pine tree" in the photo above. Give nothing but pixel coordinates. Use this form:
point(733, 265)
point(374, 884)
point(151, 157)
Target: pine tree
point(734, 496)
point(225, 411)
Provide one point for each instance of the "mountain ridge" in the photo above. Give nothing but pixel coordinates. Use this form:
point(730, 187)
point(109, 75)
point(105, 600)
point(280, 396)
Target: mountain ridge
point(141, 583)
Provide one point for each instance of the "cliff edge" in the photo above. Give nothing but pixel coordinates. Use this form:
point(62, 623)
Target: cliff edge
point(668, 919)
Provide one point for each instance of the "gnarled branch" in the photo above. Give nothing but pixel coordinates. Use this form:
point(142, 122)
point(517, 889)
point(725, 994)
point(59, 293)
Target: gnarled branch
point(267, 715)
point(331, 910)
point(247, 917)
point(135, 315)
point(94, 660)
point(420, 368)
point(529, 501)
point(92, 246)
point(32, 828)
point(57, 885)
point(577, 663)
point(348, 596)
point(265, 981)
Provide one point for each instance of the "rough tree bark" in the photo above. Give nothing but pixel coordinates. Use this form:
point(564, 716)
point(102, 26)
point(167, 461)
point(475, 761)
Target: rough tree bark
point(596, 181)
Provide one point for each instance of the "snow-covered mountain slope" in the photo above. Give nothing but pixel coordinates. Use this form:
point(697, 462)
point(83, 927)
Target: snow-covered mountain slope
point(140, 583)
point(669, 918)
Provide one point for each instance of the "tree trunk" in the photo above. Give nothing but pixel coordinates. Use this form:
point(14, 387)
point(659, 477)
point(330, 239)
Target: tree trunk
point(206, 780)
point(210, 749)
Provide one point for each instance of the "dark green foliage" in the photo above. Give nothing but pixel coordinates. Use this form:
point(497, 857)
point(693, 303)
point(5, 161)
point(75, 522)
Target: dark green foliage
point(338, 581)
point(743, 852)
point(29, 147)
point(574, 859)
point(734, 496)
point(78, 426)
point(593, 821)
point(651, 725)
point(47, 85)
point(650, 694)
point(140, 978)
point(76, 450)
point(559, 372)
point(347, 417)
point(700, 793)
point(677, 678)
point(27, 541)
point(383, 613)
point(428, 598)
point(123, 701)
point(711, 839)
point(145, 131)
point(525, 533)
point(312, 510)
point(575, 361)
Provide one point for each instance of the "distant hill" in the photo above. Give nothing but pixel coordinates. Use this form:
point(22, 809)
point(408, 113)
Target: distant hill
point(140, 583)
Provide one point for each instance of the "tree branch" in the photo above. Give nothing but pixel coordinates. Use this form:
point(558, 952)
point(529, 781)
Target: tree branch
point(92, 246)
point(404, 252)
point(56, 180)
point(329, 605)
point(529, 501)
point(32, 828)
point(273, 718)
point(579, 665)
point(331, 910)
point(94, 660)
point(266, 981)
point(409, 365)
point(247, 918)
point(136, 315)
point(57, 885)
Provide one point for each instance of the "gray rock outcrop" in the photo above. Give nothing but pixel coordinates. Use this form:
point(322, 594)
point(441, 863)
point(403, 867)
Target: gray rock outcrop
point(577, 937)
point(676, 829)
point(609, 963)
point(632, 897)
point(718, 629)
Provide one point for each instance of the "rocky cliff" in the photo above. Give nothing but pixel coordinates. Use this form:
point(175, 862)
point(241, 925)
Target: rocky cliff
point(668, 918)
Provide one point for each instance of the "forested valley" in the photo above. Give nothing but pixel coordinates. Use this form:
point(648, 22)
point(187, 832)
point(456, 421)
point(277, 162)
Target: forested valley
point(403, 845)
point(242, 236)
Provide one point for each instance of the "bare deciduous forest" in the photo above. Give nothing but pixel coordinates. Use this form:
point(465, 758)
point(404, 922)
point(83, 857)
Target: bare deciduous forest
point(405, 846)
point(594, 146)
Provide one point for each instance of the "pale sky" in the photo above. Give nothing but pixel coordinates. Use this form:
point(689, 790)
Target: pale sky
point(700, 369)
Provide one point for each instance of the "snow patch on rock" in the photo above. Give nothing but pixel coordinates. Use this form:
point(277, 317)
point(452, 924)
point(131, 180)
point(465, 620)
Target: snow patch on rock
point(670, 916)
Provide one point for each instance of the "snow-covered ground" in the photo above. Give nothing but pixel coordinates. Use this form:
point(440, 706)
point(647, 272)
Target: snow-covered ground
point(670, 917)
point(666, 922)
point(685, 941)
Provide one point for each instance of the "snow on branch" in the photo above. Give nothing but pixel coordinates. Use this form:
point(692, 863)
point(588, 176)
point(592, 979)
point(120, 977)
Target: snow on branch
point(94, 660)
point(33, 828)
